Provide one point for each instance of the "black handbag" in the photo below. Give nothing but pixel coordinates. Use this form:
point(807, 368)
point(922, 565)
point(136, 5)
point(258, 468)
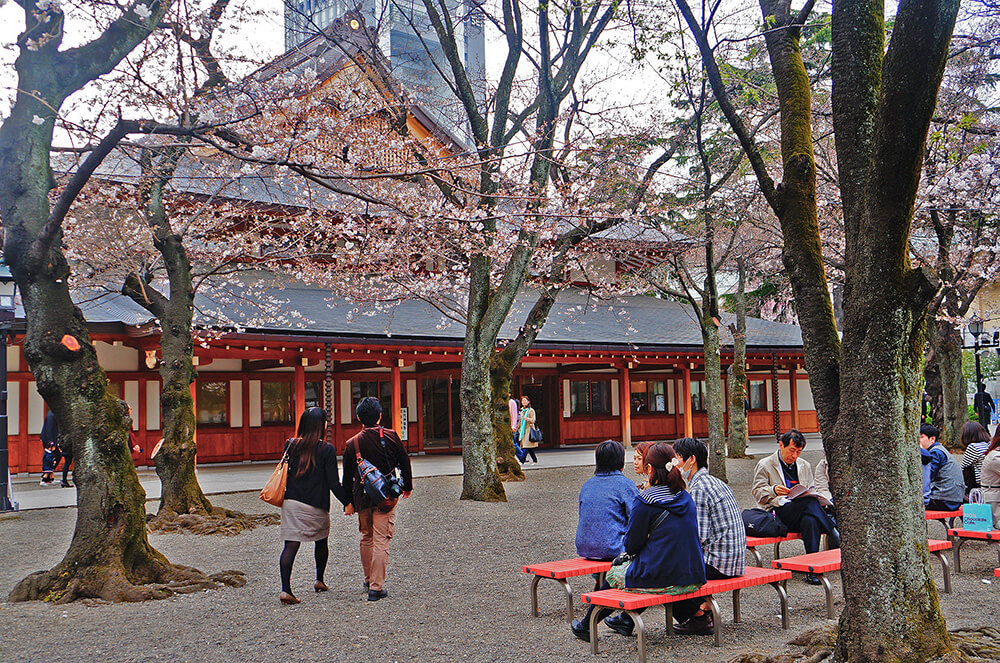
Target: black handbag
point(535, 435)
point(759, 522)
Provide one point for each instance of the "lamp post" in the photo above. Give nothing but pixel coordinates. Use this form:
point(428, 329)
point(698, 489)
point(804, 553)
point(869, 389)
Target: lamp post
point(7, 288)
point(976, 329)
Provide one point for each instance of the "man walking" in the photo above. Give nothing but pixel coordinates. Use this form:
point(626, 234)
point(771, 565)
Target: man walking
point(382, 448)
point(982, 402)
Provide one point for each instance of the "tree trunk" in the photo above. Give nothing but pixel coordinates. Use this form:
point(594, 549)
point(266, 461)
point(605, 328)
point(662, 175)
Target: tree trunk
point(945, 349)
point(481, 479)
point(500, 377)
point(715, 402)
point(738, 429)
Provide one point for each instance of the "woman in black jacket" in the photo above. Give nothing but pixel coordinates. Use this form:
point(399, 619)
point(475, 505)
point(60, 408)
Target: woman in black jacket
point(305, 513)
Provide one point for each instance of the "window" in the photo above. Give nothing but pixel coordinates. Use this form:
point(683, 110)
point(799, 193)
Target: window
point(758, 395)
point(590, 396)
point(314, 395)
point(276, 403)
point(212, 402)
point(380, 390)
point(648, 396)
point(697, 396)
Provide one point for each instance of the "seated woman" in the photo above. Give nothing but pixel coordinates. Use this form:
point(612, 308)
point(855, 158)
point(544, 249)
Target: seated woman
point(662, 538)
point(976, 440)
point(640, 451)
point(605, 505)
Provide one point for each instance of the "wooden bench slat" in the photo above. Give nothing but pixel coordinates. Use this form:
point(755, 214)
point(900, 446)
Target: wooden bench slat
point(996, 573)
point(942, 515)
point(626, 600)
point(969, 534)
point(754, 541)
point(823, 561)
point(936, 544)
point(567, 568)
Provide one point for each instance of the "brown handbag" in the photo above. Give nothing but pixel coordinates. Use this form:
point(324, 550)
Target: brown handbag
point(273, 491)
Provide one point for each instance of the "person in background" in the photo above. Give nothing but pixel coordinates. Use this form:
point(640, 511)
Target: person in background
point(50, 456)
point(305, 513)
point(637, 463)
point(662, 538)
point(982, 403)
point(527, 417)
point(720, 530)
point(944, 486)
point(976, 441)
point(991, 477)
point(382, 448)
point(775, 476)
point(50, 439)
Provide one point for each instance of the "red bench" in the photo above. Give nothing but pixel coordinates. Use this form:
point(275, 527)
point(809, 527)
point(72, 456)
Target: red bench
point(559, 571)
point(754, 541)
point(961, 535)
point(946, 518)
point(631, 601)
point(825, 561)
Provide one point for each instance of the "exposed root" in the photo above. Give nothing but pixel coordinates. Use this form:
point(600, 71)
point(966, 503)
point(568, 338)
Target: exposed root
point(218, 521)
point(110, 584)
point(980, 645)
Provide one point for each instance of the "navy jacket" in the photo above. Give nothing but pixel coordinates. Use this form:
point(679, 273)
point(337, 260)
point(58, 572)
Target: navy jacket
point(672, 554)
point(605, 502)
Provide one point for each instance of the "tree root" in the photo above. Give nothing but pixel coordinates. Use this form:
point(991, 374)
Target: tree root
point(980, 645)
point(218, 521)
point(110, 584)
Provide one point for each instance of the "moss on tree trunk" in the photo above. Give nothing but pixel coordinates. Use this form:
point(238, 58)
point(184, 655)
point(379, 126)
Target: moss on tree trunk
point(500, 378)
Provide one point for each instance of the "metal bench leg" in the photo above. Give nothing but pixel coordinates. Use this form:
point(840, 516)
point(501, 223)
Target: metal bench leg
point(945, 570)
point(716, 620)
point(534, 596)
point(640, 628)
point(829, 594)
point(777, 551)
point(957, 548)
point(783, 599)
point(756, 556)
point(569, 599)
point(670, 617)
point(736, 606)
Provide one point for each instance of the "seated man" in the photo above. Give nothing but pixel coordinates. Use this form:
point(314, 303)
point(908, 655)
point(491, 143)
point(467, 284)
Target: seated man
point(720, 529)
point(774, 478)
point(605, 504)
point(944, 485)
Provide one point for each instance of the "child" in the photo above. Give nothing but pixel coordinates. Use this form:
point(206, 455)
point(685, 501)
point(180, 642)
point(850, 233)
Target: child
point(49, 459)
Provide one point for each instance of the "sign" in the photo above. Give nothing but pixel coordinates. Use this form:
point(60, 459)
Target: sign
point(404, 425)
point(977, 517)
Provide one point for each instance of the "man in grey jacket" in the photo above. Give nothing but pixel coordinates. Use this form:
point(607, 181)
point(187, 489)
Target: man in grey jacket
point(944, 485)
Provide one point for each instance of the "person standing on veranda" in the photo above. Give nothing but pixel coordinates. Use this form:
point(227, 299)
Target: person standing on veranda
point(382, 448)
point(527, 425)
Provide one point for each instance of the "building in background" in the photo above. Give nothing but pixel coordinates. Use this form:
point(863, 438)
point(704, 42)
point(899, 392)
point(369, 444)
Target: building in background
point(406, 36)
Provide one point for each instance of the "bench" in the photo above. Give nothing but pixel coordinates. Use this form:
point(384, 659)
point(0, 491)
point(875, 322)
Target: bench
point(961, 535)
point(823, 562)
point(754, 541)
point(946, 518)
point(559, 571)
point(618, 599)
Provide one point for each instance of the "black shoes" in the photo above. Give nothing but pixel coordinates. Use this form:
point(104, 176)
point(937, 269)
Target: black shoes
point(580, 629)
point(377, 594)
point(66, 484)
point(813, 579)
point(701, 625)
point(621, 623)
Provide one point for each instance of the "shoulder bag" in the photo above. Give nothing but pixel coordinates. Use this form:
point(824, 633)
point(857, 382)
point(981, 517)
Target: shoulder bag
point(383, 491)
point(627, 557)
point(273, 491)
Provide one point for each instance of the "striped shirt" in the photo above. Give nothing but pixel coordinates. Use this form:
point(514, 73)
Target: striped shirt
point(973, 456)
point(720, 525)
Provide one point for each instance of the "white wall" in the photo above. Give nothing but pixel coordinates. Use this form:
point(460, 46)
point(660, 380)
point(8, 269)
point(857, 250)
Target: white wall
point(228, 365)
point(13, 408)
point(255, 404)
point(784, 396)
point(36, 410)
point(152, 405)
point(671, 397)
point(567, 403)
point(411, 401)
point(236, 404)
point(616, 409)
point(345, 402)
point(131, 389)
point(804, 393)
point(117, 357)
point(13, 358)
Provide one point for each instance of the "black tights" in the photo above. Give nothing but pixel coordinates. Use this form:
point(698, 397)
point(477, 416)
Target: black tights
point(322, 554)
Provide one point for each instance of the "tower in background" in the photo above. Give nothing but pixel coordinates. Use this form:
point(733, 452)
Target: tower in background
point(407, 38)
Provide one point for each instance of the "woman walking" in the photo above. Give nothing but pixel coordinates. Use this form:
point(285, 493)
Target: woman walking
point(305, 513)
point(527, 425)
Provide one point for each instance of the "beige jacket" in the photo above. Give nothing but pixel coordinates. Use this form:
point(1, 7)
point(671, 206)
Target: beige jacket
point(991, 477)
point(821, 479)
point(768, 474)
point(528, 417)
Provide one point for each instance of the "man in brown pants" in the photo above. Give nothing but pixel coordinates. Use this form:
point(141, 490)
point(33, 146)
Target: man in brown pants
point(382, 448)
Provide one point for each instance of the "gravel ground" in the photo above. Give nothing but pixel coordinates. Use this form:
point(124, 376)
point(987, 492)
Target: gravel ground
point(456, 591)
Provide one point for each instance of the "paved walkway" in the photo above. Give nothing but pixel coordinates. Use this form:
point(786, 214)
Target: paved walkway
point(240, 477)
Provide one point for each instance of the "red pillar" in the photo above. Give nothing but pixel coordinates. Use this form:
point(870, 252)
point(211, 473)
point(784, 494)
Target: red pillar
point(685, 400)
point(300, 391)
point(625, 397)
point(794, 396)
point(397, 399)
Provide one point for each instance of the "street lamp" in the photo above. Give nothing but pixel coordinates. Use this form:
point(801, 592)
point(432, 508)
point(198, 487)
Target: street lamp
point(976, 329)
point(7, 289)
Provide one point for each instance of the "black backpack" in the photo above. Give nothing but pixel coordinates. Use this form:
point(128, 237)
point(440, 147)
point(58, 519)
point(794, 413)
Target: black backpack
point(759, 522)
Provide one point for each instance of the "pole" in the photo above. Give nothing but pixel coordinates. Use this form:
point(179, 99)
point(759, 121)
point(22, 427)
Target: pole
point(5, 503)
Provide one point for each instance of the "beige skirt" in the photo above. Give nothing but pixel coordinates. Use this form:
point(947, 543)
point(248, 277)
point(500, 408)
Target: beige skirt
point(301, 522)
